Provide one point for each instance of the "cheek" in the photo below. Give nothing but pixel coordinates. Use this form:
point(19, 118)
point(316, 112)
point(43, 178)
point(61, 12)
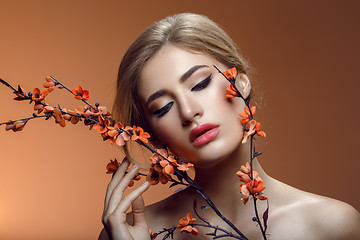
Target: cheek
point(171, 133)
point(167, 130)
point(226, 111)
point(227, 108)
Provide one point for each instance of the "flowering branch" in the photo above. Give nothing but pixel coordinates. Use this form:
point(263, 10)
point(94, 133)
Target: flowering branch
point(187, 225)
point(253, 184)
point(113, 166)
point(164, 165)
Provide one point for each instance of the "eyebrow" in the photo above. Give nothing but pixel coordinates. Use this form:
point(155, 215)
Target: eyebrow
point(155, 96)
point(189, 72)
point(183, 78)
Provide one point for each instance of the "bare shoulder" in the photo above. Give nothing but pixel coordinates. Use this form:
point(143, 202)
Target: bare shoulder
point(340, 220)
point(320, 217)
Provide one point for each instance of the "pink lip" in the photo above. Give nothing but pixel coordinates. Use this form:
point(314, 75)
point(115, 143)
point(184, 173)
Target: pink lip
point(204, 133)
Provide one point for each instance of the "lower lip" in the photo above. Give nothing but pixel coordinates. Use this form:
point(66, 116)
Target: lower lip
point(206, 137)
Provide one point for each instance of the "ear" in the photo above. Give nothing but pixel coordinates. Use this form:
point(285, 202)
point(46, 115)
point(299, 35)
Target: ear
point(244, 84)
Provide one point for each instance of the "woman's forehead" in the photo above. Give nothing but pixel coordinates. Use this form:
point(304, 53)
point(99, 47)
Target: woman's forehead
point(170, 63)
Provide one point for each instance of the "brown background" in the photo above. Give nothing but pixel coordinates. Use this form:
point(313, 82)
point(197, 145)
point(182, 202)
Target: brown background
point(306, 56)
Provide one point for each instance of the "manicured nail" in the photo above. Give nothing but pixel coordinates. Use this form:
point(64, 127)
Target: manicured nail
point(135, 168)
point(145, 184)
point(125, 160)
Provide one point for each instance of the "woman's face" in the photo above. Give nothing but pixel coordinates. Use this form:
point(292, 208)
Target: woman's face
point(183, 97)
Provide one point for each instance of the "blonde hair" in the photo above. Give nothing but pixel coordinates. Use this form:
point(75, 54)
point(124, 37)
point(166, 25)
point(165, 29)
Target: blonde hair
point(187, 30)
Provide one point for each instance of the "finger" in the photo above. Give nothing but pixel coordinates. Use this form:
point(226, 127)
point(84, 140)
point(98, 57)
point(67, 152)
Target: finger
point(138, 209)
point(118, 191)
point(130, 198)
point(115, 181)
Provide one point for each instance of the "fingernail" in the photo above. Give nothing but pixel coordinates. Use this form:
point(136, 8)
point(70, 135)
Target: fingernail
point(145, 184)
point(125, 159)
point(135, 167)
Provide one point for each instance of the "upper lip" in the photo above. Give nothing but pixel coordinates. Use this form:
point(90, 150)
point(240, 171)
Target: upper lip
point(198, 130)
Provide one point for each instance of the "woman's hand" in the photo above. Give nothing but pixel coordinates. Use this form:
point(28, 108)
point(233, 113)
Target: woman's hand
point(116, 205)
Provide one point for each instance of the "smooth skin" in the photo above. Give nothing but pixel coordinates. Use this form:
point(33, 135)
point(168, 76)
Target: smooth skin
point(115, 207)
point(294, 214)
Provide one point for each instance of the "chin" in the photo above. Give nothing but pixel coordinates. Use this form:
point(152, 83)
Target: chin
point(214, 153)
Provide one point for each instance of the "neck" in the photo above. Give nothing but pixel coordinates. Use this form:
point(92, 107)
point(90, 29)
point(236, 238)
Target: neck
point(220, 181)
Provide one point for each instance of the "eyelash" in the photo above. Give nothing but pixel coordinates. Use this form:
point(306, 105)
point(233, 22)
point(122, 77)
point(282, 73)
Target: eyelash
point(162, 111)
point(201, 85)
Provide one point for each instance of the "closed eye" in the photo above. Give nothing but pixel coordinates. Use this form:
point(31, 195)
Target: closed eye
point(162, 111)
point(203, 84)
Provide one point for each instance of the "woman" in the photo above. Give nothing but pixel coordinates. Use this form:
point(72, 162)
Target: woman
point(167, 84)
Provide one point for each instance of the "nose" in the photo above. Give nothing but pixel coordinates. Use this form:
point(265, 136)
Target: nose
point(190, 110)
